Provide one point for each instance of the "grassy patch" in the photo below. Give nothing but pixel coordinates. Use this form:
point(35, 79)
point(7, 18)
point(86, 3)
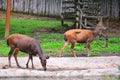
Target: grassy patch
point(52, 42)
point(26, 26)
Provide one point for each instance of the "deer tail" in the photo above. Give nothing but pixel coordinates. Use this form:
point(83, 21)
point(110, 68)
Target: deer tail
point(7, 42)
point(65, 38)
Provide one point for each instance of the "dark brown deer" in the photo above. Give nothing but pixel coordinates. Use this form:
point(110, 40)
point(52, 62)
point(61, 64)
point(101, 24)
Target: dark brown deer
point(19, 42)
point(81, 36)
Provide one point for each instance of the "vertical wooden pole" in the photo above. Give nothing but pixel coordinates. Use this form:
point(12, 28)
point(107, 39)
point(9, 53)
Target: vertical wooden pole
point(8, 7)
point(77, 14)
point(107, 31)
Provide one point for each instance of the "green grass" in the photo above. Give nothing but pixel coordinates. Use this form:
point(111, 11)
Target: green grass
point(113, 46)
point(26, 26)
point(52, 42)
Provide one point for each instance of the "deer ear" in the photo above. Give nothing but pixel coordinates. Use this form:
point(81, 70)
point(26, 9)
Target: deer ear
point(47, 56)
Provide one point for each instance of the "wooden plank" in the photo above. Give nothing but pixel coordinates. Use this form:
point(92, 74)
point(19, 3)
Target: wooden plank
point(26, 6)
point(40, 7)
point(18, 5)
point(32, 6)
point(3, 4)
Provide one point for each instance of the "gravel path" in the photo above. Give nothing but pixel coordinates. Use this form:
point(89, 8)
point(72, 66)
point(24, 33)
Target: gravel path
point(65, 67)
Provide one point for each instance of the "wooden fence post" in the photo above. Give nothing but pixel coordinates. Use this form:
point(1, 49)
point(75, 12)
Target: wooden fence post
point(7, 18)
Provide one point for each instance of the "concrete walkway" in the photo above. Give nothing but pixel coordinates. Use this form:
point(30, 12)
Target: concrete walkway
point(64, 67)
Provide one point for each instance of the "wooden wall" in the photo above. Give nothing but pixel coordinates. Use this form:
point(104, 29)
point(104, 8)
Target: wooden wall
point(111, 8)
point(53, 7)
point(38, 7)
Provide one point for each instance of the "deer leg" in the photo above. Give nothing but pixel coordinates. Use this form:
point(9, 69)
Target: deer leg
point(28, 61)
point(9, 56)
point(72, 49)
point(15, 56)
point(88, 48)
point(30, 58)
point(32, 61)
point(62, 48)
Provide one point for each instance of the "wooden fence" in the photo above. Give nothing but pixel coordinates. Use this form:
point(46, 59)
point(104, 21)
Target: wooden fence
point(53, 7)
point(38, 7)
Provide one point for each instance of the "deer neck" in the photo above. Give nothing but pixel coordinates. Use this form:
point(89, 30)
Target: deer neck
point(40, 54)
point(39, 51)
point(96, 32)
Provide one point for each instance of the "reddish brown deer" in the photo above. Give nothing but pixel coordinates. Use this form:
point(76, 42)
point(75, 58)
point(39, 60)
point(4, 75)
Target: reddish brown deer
point(19, 42)
point(81, 36)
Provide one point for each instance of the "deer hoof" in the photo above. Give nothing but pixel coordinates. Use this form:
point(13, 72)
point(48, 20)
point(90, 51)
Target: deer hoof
point(19, 66)
point(5, 67)
point(33, 67)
